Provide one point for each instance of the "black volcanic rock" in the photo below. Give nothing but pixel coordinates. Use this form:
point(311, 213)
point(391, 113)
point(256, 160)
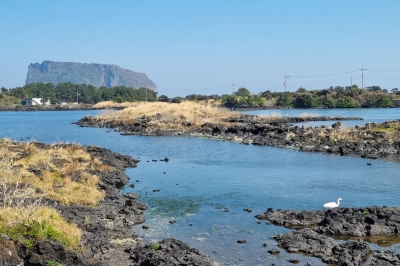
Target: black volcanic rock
point(93, 74)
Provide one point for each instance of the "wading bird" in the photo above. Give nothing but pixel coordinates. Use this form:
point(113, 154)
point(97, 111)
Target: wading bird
point(331, 205)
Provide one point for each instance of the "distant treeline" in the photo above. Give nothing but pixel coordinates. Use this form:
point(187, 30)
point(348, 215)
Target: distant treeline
point(334, 97)
point(69, 92)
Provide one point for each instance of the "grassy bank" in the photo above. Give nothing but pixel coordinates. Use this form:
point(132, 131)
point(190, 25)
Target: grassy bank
point(170, 116)
point(32, 174)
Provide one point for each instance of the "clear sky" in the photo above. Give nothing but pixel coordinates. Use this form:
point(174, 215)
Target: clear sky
point(206, 46)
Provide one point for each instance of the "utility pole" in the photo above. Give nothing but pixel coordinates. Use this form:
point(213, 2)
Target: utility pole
point(362, 76)
point(233, 88)
point(77, 97)
point(146, 95)
point(351, 83)
point(285, 80)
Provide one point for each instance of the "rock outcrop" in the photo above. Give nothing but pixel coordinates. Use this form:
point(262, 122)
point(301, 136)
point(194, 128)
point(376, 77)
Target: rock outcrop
point(316, 228)
point(93, 74)
point(362, 141)
point(360, 222)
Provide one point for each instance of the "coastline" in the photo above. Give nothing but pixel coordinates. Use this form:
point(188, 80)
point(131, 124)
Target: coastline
point(329, 249)
point(114, 107)
point(363, 141)
point(108, 237)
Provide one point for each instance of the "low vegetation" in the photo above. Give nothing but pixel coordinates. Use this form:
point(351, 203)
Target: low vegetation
point(332, 97)
point(6, 100)
point(337, 97)
point(189, 115)
point(31, 173)
point(170, 116)
point(113, 104)
point(272, 116)
point(389, 131)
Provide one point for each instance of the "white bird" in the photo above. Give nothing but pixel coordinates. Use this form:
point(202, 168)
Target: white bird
point(331, 205)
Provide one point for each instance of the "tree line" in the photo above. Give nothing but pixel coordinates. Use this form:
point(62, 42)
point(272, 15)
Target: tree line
point(336, 97)
point(69, 92)
point(333, 97)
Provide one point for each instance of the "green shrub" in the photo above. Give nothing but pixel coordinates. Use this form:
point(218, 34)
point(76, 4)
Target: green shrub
point(346, 102)
point(285, 99)
point(53, 262)
point(155, 246)
point(385, 101)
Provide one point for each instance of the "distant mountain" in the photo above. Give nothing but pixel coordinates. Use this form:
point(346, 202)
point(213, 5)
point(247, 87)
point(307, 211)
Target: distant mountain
point(93, 74)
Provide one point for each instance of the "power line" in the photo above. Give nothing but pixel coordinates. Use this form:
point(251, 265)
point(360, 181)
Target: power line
point(362, 76)
point(285, 80)
point(326, 75)
point(384, 70)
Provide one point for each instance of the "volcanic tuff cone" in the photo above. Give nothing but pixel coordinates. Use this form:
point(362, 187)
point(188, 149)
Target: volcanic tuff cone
point(93, 74)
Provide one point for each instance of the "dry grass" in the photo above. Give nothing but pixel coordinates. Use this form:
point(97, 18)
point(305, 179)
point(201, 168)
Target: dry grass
point(348, 134)
point(39, 223)
point(211, 102)
point(190, 110)
point(307, 115)
point(322, 134)
point(61, 172)
point(172, 116)
point(389, 129)
point(290, 135)
point(112, 104)
point(272, 116)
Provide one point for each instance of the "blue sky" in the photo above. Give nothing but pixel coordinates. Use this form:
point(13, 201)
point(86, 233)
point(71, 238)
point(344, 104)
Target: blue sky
point(205, 46)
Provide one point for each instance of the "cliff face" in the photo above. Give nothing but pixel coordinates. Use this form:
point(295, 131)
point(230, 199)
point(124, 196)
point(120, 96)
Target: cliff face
point(93, 74)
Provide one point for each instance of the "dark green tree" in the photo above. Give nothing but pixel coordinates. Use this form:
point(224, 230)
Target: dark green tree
point(346, 102)
point(385, 101)
point(163, 98)
point(339, 89)
point(285, 99)
point(374, 88)
point(328, 101)
point(267, 95)
point(177, 100)
point(230, 101)
point(242, 92)
point(301, 89)
point(306, 100)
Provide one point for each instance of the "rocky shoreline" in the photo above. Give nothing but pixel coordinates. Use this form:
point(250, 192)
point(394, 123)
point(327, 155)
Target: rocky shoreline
point(315, 232)
point(108, 238)
point(364, 141)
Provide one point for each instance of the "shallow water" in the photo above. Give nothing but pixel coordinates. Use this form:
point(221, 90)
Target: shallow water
point(369, 115)
point(204, 176)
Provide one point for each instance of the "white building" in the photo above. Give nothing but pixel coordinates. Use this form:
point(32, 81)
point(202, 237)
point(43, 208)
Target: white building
point(35, 101)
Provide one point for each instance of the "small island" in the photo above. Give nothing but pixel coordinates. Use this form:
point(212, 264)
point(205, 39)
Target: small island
point(204, 120)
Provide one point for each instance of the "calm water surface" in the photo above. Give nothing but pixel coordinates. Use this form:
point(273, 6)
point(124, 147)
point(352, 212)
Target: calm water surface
point(204, 176)
point(376, 115)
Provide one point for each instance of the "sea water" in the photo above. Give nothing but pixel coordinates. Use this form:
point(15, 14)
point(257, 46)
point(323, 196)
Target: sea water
point(206, 184)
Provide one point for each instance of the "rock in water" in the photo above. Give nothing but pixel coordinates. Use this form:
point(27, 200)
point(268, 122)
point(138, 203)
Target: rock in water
point(93, 74)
